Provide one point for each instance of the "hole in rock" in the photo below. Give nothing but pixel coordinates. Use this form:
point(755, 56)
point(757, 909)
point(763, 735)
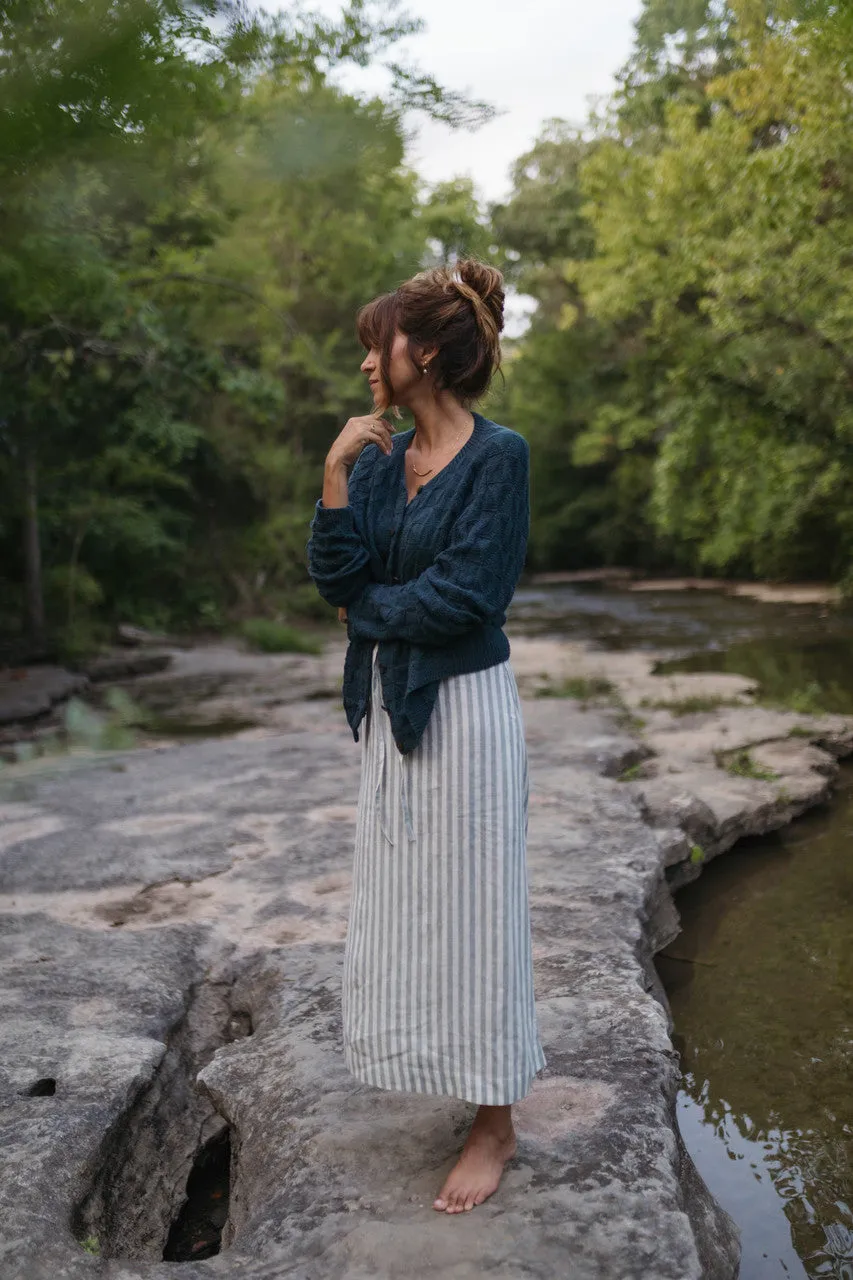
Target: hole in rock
point(44, 1088)
point(239, 1025)
point(161, 1181)
point(197, 1231)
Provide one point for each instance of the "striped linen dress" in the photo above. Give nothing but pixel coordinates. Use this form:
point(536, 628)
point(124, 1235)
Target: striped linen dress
point(438, 977)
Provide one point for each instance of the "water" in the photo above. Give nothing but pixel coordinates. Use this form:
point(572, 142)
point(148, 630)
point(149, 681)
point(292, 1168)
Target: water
point(709, 622)
point(799, 654)
point(809, 672)
point(764, 1027)
point(760, 980)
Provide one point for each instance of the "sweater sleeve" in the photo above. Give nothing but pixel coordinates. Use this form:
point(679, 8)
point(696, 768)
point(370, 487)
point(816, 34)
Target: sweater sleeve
point(338, 559)
point(472, 580)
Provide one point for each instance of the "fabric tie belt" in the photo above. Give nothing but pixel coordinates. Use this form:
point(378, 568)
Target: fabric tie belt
point(392, 767)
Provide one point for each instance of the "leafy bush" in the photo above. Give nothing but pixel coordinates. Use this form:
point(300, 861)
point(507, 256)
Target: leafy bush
point(274, 637)
point(305, 602)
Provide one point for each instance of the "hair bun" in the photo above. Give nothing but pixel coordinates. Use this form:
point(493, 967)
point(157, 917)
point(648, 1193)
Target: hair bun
point(486, 283)
point(455, 311)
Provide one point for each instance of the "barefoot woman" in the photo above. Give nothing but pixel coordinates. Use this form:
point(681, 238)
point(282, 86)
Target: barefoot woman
point(420, 538)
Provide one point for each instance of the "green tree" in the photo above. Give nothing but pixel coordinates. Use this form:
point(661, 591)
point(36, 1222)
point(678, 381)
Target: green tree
point(455, 223)
point(190, 214)
point(90, 95)
point(686, 377)
point(571, 378)
point(728, 247)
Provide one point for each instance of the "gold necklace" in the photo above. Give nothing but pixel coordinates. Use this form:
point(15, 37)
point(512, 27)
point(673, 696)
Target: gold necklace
point(427, 472)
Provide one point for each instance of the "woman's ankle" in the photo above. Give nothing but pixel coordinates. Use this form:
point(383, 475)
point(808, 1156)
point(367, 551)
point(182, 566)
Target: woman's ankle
point(497, 1120)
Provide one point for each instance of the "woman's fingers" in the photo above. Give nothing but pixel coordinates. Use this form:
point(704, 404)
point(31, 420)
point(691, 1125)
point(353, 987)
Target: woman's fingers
point(368, 428)
point(378, 432)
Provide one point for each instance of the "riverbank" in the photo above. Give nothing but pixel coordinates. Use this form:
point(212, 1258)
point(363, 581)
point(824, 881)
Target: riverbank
point(177, 914)
point(634, 580)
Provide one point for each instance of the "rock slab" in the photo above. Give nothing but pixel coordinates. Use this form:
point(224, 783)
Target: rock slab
point(29, 692)
point(155, 901)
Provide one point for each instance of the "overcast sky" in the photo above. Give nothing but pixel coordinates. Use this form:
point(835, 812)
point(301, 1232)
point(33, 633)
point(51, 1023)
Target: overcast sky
point(534, 59)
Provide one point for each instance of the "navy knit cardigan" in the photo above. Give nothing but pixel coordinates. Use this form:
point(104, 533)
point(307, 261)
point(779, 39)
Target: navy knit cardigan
point(430, 579)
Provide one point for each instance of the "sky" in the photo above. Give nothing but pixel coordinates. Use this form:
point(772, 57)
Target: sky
point(533, 59)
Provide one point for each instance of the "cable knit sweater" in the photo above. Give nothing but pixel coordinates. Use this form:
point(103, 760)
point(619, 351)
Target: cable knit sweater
point(429, 579)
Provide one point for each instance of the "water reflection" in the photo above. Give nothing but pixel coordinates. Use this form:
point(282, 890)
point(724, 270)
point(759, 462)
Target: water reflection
point(811, 673)
point(736, 1170)
point(689, 620)
point(760, 982)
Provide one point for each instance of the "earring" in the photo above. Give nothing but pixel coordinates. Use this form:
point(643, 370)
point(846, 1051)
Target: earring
point(423, 371)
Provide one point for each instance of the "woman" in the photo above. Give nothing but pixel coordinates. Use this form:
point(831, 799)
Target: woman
point(420, 545)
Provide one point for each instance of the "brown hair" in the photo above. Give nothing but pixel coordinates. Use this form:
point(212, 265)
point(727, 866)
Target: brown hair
point(459, 310)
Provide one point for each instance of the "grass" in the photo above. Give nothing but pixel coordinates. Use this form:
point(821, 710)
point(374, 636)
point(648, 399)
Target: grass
point(742, 765)
point(628, 721)
point(590, 688)
point(582, 687)
point(692, 705)
point(267, 636)
point(808, 701)
point(800, 731)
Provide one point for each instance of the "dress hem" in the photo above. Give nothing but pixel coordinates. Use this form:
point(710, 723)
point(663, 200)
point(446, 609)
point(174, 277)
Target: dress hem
point(494, 1098)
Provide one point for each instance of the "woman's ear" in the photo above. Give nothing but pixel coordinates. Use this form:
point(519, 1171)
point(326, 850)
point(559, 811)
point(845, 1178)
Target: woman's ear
point(425, 358)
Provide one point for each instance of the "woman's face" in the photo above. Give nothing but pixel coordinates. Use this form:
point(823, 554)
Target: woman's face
point(405, 375)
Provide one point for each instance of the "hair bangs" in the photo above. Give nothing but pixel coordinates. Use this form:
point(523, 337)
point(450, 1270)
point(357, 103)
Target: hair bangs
point(376, 325)
point(377, 321)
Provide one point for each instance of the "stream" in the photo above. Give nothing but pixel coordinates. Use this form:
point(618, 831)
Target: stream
point(760, 979)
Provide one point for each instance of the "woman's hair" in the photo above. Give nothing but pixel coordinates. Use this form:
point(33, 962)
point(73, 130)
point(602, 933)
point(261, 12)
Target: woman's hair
point(459, 310)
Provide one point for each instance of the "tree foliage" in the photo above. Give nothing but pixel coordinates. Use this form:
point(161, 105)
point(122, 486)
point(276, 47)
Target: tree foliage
point(191, 213)
point(704, 335)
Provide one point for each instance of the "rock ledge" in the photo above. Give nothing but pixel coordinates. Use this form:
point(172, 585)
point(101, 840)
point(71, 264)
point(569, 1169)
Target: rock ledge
point(173, 923)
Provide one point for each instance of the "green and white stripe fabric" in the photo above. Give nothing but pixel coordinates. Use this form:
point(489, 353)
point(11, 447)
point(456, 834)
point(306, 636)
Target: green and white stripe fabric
point(438, 976)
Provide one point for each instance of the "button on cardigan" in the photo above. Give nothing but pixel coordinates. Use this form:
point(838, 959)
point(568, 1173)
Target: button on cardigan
point(427, 579)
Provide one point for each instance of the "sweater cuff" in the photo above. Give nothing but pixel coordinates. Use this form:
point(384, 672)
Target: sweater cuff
point(332, 519)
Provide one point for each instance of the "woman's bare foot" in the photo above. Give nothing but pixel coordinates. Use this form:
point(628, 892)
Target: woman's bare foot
point(477, 1172)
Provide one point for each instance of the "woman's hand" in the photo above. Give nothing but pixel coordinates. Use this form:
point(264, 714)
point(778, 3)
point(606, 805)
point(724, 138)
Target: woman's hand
point(368, 429)
point(342, 613)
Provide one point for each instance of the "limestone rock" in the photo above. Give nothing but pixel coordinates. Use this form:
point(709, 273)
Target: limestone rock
point(148, 912)
point(122, 665)
point(29, 692)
